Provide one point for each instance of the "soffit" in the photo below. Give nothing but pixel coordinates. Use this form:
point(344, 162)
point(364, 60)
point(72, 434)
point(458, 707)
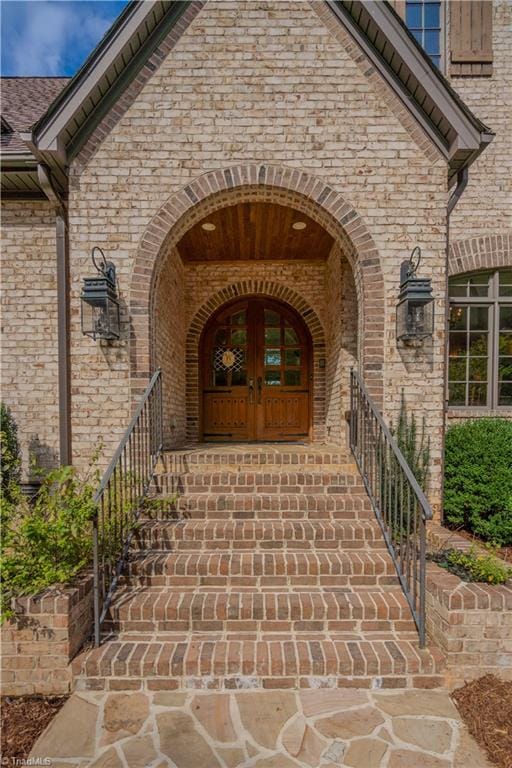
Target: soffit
point(255, 231)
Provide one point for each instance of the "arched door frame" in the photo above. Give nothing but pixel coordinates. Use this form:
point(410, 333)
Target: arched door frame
point(296, 319)
point(288, 186)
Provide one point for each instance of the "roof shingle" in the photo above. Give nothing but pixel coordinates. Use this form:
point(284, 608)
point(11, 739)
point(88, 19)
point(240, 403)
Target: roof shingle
point(26, 99)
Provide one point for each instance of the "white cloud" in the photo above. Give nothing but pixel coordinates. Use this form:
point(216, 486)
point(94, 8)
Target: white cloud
point(42, 37)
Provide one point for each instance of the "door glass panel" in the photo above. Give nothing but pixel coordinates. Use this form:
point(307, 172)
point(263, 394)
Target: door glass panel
point(290, 337)
point(505, 369)
point(272, 357)
point(477, 344)
point(238, 318)
point(505, 344)
point(272, 318)
point(478, 369)
point(238, 336)
point(239, 378)
point(220, 378)
point(292, 357)
point(221, 337)
point(273, 378)
point(457, 393)
point(292, 378)
point(272, 335)
point(478, 318)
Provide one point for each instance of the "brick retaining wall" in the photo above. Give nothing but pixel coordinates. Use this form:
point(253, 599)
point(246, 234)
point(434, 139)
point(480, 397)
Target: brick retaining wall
point(470, 622)
point(48, 631)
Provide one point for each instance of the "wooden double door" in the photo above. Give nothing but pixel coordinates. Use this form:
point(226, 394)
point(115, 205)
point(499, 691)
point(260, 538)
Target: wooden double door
point(256, 373)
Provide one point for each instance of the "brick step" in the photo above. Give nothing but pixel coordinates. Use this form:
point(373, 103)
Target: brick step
point(162, 610)
point(276, 482)
point(270, 569)
point(258, 535)
point(247, 506)
point(286, 661)
point(270, 456)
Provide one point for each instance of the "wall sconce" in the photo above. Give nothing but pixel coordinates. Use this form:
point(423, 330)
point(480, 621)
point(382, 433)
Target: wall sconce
point(415, 308)
point(100, 307)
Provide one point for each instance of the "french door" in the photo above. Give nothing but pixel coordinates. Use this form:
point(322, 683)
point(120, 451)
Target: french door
point(255, 372)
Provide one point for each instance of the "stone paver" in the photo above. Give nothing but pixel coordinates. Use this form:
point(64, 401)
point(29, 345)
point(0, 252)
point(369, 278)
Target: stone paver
point(260, 729)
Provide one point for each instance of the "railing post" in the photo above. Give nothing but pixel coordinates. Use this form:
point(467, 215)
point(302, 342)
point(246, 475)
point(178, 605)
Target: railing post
point(391, 484)
point(96, 580)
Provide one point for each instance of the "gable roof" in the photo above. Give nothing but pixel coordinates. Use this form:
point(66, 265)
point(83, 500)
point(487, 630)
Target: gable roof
point(410, 72)
point(26, 99)
point(127, 47)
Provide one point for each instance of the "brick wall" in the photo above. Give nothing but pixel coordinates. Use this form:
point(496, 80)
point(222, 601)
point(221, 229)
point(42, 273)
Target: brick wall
point(46, 633)
point(470, 622)
point(484, 209)
point(169, 333)
point(29, 329)
point(272, 86)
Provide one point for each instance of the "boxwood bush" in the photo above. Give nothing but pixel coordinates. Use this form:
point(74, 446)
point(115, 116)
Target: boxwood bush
point(478, 479)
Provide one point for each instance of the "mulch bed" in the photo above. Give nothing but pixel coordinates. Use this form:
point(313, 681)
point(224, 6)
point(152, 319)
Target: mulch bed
point(24, 718)
point(486, 707)
point(504, 553)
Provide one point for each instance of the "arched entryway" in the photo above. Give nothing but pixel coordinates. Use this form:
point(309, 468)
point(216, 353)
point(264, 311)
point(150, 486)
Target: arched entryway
point(256, 373)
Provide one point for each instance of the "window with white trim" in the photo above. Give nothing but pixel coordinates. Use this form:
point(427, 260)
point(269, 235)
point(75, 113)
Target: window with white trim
point(480, 340)
point(423, 18)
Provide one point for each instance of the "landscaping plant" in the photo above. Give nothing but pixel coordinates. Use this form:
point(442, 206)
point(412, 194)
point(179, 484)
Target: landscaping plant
point(10, 456)
point(478, 479)
point(473, 565)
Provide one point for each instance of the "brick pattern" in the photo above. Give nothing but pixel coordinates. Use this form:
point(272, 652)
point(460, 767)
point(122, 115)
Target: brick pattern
point(298, 598)
point(29, 338)
point(486, 252)
point(470, 622)
point(254, 534)
point(484, 209)
point(46, 633)
point(277, 663)
point(257, 101)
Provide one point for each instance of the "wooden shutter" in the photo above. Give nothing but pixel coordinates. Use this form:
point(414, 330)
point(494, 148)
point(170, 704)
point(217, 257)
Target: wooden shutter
point(471, 37)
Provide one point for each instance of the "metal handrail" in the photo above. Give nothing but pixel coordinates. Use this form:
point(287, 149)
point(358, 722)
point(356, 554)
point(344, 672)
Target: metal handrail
point(120, 495)
point(398, 501)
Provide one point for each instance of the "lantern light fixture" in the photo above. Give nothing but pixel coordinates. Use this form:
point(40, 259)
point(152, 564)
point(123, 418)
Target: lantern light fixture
point(415, 308)
point(99, 302)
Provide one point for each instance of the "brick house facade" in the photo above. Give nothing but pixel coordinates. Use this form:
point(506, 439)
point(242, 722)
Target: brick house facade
point(244, 103)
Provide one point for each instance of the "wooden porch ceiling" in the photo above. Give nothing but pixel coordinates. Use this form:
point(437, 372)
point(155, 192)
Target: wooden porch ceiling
point(255, 232)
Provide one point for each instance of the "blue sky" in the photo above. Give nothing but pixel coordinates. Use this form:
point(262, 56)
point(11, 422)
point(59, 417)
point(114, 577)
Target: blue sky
point(52, 37)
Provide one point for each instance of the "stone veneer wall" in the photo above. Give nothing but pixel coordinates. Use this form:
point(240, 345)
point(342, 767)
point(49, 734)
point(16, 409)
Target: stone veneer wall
point(29, 329)
point(275, 84)
point(47, 632)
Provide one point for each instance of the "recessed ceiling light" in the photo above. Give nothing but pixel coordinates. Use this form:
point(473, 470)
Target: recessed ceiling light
point(299, 225)
point(208, 226)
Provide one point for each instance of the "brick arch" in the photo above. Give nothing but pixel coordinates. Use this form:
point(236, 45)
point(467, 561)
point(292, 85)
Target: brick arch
point(287, 186)
point(489, 252)
point(266, 289)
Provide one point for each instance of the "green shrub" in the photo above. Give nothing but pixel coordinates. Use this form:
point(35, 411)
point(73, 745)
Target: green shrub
point(47, 542)
point(10, 461)
point(473, 565)
point(478, 479)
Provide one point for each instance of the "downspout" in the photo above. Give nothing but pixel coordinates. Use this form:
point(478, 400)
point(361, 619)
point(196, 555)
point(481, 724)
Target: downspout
point(462, 182)
point(62, 253)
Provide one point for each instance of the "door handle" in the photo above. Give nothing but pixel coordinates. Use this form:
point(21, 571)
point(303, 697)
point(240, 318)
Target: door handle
point(260, 387)
point(251, 391)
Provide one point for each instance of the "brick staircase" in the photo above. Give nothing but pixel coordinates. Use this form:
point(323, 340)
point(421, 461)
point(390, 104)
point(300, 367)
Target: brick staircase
point(259, 567)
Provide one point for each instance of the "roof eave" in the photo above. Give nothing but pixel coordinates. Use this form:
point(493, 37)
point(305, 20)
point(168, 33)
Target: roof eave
point(471, 135)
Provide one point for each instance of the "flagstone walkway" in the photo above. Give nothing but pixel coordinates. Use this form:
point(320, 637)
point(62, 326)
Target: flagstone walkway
point(260, 729)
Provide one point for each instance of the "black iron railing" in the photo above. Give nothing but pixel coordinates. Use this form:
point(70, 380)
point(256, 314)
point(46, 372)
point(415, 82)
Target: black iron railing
point(120, 496)
point(398, 501)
